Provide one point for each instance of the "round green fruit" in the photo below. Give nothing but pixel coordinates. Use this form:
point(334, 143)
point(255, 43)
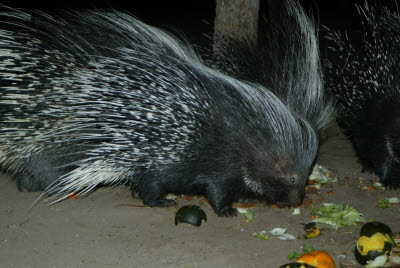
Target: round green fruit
point(191, 214)
point(375, 240)
point(373, 227)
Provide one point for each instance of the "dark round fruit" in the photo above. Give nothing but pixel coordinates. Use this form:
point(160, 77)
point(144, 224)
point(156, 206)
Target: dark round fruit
point(373, 227)
point(371, 235)
point(191, 214)
point(297, 265)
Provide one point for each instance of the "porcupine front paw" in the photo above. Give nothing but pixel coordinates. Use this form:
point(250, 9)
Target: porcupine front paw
point(391, 179)
point(221, 201)
point(152, 197)
point(227, 212)
point(391, 184)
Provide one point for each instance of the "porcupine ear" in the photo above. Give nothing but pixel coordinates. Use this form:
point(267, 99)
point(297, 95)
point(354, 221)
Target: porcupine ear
point(285, 169)
point(281, 165)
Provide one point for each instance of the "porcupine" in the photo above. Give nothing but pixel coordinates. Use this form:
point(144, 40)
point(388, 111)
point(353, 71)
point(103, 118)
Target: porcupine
point(364, 79)
point(98, 97)
point(284, 58)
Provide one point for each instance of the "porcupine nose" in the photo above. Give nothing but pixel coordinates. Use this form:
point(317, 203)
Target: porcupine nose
point(294, 198)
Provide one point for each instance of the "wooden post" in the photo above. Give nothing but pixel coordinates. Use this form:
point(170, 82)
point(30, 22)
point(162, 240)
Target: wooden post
point(235, 19)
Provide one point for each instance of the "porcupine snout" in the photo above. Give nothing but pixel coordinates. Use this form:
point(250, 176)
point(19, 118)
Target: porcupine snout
point(292, 198)
point(293, 194)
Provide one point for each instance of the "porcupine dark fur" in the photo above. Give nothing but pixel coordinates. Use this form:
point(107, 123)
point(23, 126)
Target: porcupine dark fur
point(366, 83)
point(284, 59)
point(98, 97)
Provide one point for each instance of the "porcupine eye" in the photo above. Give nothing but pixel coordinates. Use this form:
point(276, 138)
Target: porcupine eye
point(292, 179)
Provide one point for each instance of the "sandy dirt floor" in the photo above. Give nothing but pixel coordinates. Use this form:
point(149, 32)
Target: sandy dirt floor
point(110, 229)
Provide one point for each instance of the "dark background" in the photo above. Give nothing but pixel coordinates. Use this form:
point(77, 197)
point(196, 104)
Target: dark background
point(193, 15)
point(194, 18)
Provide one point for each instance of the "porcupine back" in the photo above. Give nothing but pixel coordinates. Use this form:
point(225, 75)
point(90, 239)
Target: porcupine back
point(96, 97)
point(365, 82)
point(284, 59)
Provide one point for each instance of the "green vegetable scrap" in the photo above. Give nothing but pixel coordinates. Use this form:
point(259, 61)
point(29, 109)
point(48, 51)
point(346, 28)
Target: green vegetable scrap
point(383, 203)
point(249, 215)
point(261, 235)
point(307, 248)
point(336, 215)
point(321, 175)
point(296, 211)
point(294, 255)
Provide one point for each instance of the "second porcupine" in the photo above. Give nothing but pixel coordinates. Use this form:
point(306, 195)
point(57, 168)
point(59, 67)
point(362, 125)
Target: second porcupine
point(365, 81)
point(96, 97)
point(284, 58)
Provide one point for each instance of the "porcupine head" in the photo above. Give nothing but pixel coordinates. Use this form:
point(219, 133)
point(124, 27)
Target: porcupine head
point(280, 180)
point(276, 167)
